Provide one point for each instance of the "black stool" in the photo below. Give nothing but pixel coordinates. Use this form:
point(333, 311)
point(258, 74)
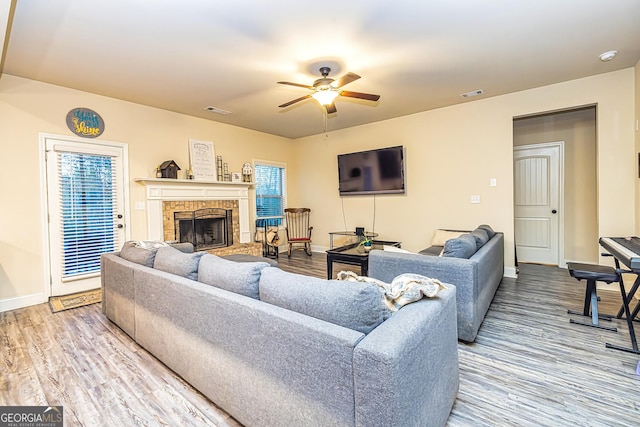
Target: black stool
point(592, 274)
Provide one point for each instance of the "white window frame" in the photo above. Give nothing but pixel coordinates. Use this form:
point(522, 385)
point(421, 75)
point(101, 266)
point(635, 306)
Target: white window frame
point(284, 187)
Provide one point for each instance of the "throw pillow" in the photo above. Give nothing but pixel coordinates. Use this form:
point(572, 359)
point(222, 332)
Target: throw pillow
point(481, 237)
point(462, 247)
point(185, 247)
point(177, 262)
point(141, 252)
point(240, 277)
point(488, 229)
point(440, 236)
point(357, 306)
point(391, 248)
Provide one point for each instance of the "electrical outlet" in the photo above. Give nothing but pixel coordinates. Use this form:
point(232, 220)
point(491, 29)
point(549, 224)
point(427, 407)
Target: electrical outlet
point(475, 198)
point(493, 182)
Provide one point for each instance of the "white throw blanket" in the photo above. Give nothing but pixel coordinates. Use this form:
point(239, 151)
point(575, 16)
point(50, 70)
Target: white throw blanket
point(403, 289)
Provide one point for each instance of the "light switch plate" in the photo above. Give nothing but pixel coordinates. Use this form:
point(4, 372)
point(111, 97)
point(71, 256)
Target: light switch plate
point(493, 182)
point(139, 206)
point(475, 198)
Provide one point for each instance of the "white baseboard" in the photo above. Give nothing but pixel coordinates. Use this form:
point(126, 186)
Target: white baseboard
point(510, 272)
point(21, 302)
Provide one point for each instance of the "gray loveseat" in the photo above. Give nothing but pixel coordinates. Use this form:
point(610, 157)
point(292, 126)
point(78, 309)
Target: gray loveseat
point(476, 278)
point(280, 349)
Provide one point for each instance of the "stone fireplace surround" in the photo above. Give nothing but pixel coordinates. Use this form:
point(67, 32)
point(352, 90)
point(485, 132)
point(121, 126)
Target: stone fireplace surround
point(175, 192)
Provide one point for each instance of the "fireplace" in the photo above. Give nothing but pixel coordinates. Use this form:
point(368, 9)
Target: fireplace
point(205, 228)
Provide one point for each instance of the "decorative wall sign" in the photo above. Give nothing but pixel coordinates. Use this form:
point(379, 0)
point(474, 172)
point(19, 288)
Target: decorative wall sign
point(85, 122)
point(201, 155)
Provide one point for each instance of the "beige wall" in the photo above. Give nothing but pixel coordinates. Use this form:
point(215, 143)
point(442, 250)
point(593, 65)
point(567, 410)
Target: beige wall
point(453, 152)
point(636, 126)
point(577, 129)
point(28, 107)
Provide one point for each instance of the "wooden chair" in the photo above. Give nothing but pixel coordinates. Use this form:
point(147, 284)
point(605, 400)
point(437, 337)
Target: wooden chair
point(298, 228)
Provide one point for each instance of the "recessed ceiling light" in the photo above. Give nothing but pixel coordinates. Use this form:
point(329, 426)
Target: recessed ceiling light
point(608, 56)
point(217, 110)
point(472, 93)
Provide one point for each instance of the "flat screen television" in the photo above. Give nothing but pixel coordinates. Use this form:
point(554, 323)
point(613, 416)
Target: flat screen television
point(379, 171)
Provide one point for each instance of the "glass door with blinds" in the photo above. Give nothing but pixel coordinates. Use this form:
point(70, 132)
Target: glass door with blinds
point(86, 207)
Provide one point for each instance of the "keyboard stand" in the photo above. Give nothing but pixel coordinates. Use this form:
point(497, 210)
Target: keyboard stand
point(625, 309)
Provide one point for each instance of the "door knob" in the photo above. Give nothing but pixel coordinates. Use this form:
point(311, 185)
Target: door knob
point(554, 211)
point(119, 216)
point(120, 225)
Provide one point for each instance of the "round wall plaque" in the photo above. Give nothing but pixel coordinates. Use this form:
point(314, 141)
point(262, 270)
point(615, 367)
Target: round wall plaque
point(85, 122)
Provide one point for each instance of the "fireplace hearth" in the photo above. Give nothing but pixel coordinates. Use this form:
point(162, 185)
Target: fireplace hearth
point(205, 228)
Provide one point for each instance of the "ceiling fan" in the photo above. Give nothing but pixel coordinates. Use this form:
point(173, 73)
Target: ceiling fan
point(325, 90)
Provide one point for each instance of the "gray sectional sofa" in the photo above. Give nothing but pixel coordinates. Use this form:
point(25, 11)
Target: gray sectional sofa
point(279, 349)
point(476, 274)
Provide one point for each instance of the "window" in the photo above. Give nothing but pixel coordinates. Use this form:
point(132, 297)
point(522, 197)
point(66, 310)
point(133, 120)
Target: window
point(271, 193)
point(87, 209)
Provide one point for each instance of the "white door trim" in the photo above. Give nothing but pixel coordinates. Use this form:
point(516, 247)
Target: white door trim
point(44, 212)
point(560, 144)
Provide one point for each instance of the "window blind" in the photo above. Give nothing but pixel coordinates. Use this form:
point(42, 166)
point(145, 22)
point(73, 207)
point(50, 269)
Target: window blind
point(88, 209)
point(270, 192)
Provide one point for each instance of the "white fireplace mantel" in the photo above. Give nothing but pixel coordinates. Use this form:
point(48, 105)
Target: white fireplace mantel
point(164, 189)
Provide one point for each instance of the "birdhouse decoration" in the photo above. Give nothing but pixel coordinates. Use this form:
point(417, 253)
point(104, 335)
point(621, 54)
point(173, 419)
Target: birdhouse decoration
point(169, 169)
point(247, 172)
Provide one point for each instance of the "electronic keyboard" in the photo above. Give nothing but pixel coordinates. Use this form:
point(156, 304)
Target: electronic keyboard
point(625, 249)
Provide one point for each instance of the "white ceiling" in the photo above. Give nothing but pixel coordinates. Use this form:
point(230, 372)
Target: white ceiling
point(418, 55)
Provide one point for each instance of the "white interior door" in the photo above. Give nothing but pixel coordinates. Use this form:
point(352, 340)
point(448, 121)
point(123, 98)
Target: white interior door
point(86, 209)
point(537, 175)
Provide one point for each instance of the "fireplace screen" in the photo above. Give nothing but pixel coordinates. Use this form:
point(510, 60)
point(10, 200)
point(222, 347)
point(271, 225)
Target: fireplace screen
point(205, 228)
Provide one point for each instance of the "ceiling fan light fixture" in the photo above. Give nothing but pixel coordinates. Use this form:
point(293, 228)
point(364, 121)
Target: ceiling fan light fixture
point(325, 96)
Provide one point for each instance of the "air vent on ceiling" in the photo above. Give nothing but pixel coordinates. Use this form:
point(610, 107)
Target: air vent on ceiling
point(217, 110)
point(472, 93)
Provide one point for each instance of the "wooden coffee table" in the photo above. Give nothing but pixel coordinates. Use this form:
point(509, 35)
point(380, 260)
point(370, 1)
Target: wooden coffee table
point(354, 255)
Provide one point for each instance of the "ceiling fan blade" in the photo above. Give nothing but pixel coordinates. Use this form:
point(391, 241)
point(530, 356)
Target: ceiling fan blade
point(296, 84)
point(331, 108)
point(302, 98)
point(360, 95)
point(347, 78)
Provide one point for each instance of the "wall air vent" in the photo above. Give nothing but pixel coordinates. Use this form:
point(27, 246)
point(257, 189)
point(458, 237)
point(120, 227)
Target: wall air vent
point(472, 93)
point(217, 110)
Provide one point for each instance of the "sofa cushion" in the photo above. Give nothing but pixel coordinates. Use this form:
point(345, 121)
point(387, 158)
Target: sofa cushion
point(392, 248)
point(432, 251)
point(240, 277)
point(488, 229)
point(462, 247)
point(185, 247)
point(177, 262)
point(357, 306)
point(440, 236)
point(481, 237)
point(250, 258)
point(140, 252)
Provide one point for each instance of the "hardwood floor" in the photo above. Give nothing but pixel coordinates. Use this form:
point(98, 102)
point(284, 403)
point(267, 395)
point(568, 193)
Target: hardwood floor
point(528, 367)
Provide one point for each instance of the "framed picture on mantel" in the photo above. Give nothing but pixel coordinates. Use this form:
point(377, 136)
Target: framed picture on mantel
point(201, 157)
